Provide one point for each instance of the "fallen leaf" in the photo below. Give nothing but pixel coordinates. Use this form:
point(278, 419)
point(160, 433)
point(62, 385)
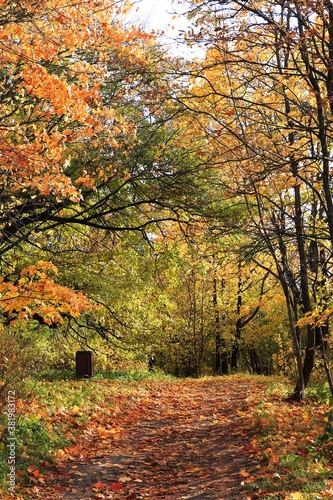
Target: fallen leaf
point(33, 470)
point(124, 479)
point(116, 486)
point(327, 493)
point(99, 486)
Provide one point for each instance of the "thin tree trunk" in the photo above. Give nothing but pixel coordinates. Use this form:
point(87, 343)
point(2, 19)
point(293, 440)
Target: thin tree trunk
point(218, 367)
point(238, 333)
point(325, 360)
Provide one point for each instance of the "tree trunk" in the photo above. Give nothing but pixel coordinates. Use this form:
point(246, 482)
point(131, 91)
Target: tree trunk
point(218, 367)
point(239, 323)
point(305, 294)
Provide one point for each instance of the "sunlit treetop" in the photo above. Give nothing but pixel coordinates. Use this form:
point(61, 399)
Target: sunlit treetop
point(55, 58)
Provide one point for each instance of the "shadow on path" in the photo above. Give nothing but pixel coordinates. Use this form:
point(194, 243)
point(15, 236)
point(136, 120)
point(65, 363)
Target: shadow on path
point(190, 446)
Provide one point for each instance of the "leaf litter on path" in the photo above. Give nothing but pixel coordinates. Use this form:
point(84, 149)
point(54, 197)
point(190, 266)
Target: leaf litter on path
point(182, 440)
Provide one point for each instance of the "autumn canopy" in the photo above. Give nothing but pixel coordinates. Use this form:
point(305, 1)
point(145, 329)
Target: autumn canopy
point(200, 188)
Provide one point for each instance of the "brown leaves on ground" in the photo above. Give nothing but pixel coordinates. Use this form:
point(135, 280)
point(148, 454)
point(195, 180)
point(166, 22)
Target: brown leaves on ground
point(295, 462)
point(177, 440)
point(187, 440)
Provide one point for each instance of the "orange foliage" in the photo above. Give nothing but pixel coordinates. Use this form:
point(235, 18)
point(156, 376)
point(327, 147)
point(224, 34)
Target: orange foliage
point(55, 56)
point(36, 293)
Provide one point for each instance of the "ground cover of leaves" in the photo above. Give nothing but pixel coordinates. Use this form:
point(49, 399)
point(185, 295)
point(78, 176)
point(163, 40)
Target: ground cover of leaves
point(222, 438)
point(171, 441)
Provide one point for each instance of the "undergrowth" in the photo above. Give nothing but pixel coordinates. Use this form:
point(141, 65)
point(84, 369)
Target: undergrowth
point(294, 444)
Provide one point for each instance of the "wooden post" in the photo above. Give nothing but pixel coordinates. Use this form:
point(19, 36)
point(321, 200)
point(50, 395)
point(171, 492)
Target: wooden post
point(84, 364)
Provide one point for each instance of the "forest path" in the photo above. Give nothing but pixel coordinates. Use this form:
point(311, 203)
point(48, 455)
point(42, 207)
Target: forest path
point(182, 441)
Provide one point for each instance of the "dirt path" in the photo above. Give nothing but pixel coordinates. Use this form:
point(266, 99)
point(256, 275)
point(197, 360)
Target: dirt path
point(189, 444)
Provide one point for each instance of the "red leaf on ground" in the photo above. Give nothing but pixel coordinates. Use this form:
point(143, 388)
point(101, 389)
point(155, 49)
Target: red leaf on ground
point(116, 486)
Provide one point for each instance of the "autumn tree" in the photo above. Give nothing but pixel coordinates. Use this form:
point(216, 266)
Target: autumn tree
point(262, 99)
point(85, 140)
point(204, 326)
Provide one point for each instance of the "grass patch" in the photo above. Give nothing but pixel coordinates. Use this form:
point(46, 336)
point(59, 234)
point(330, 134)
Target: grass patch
point(319, 393)
point(126, 375)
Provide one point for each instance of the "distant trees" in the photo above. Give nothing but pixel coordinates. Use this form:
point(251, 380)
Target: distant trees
point(262, 98)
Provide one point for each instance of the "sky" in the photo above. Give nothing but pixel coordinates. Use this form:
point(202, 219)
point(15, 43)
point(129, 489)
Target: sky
point(159, 15)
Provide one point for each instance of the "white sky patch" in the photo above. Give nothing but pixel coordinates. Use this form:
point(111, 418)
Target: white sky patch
point(158, 14)
point(166, 16)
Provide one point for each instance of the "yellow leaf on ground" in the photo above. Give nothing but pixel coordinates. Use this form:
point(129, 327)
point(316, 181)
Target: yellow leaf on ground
point(295, 496)
point(124, 479)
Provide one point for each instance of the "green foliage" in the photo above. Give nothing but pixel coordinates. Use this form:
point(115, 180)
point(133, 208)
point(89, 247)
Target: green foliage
point(319, 392)
point(125, 375)
point(35, 443)
point(53, 375)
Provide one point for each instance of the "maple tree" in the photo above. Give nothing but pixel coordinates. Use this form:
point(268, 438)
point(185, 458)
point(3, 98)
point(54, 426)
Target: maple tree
point(50, 96)
point(84, 139)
